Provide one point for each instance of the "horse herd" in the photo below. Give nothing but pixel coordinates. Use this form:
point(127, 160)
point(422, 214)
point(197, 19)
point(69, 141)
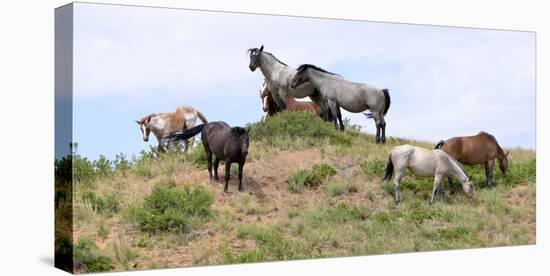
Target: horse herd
point(329, 92)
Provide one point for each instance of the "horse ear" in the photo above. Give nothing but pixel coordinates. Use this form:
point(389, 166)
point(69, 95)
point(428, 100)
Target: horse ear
point(262, 48)
point(138, 122)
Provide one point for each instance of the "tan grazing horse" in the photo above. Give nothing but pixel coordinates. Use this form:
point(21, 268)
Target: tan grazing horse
point(481, 148)
point(163, 124)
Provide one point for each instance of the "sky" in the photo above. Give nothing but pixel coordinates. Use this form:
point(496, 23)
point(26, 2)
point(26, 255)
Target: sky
point(443, 81)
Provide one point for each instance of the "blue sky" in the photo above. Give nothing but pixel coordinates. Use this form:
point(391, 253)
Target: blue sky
point(443, 81)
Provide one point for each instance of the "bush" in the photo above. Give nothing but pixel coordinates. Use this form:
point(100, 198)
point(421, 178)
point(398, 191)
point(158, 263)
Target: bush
point(297, 125)
point(106, 205)
point(309, 178)
point(88, 258)
point(335, 189)
point(373, 168)
point(175, 209)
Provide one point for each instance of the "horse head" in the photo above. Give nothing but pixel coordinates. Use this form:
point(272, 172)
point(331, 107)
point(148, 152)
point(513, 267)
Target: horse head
point(503, 163)
point(144, 126)
point(300, 77)
point(255, 57)
point(468, 186)
point(242, 139)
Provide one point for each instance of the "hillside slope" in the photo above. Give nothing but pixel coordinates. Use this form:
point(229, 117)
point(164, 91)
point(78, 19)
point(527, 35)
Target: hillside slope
point(289, 209)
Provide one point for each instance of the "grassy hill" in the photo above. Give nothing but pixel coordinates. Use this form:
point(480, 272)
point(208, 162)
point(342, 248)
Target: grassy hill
point(310, 192)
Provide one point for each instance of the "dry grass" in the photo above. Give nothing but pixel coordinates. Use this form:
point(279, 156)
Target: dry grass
point(348, 214)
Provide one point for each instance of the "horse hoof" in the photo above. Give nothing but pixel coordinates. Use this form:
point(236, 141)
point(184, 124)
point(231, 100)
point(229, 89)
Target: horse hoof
point(226, 191)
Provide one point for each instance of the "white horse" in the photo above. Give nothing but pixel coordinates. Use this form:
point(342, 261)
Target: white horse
point(163, 124)
point(351, 96)
point(277, 75)
point(423, 162)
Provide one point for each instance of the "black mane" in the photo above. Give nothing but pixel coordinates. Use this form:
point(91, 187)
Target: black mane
point(257, 49)
point(238, 132)
point(307, 66)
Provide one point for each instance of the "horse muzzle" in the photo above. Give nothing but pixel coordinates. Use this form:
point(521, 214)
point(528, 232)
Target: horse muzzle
point(252, 68)
point(146, 139)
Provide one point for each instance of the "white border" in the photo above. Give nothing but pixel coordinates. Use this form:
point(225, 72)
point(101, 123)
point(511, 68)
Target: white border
point(26, 109)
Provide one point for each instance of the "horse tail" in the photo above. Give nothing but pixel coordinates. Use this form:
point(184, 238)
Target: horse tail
point(439, 144)
point(389, 168)
point(185, 134)
point(202, 117)
point(387, 100)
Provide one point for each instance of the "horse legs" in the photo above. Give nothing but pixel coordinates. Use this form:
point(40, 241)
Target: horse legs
point(334, 113)
point(377, 121)
point(188, 143)
point(437, 184)
point(441, 189)
point(209, 159)
point(241, 166)
point(227, 174)
point(489, 172)
point(339, 115)
point(216, 164)
point(397, 182)
point(451, 187)
point(383, 127)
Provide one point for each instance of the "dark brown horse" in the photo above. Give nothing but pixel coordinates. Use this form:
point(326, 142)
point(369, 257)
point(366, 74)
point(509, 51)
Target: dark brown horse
point(478, 149)
point(226, 143)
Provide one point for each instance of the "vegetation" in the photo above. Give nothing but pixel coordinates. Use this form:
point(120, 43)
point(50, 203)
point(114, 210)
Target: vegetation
point(174, 209)
point(310, 192)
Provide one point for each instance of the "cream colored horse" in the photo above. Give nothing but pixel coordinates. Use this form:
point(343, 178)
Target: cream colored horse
point(163, 124)
point(423, 162)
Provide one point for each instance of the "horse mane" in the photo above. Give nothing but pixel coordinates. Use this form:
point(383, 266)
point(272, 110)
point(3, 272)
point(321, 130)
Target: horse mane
point(238, 132)
point(147, 118)
point(490, 136)
point(256, 49)
point(311, 66)
point(456, 163)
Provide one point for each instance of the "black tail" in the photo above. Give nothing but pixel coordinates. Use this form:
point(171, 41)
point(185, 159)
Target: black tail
point(387, 99)
point(389, 169)
point(185, 134)
point(439, 144)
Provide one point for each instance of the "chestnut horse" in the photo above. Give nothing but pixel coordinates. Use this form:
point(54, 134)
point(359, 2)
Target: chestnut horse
point(270, 107)
point(294, 105)
point(268, 103)
point(481, 148)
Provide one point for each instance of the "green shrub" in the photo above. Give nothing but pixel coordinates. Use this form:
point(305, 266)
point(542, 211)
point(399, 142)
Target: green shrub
point(103, 167)
point(335, 189)
point(309, 178)
point(290, 126)
point(106, 205)
point(88, 257)
point(198, 156)
point(373, 168)
point(175, 209)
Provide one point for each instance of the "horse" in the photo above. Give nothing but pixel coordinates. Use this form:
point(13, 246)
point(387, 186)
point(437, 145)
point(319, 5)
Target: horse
point(481, 148)
point(277, 75)
point(162, 124)
point(351, 96)
point(423, 162)
point(226, 143)
point(268, 104)
point(292, 104)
